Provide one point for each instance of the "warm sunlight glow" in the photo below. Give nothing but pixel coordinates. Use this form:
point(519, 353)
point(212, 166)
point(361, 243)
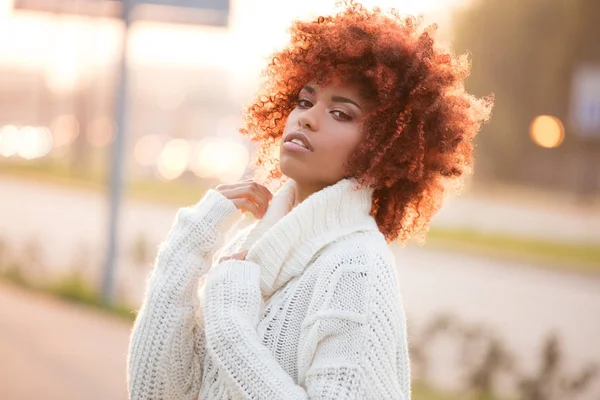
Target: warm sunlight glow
point(547, 131)
point(67, 46)
point(62, 75)
point(174, 158)
point(223, 159)
point(258, 28)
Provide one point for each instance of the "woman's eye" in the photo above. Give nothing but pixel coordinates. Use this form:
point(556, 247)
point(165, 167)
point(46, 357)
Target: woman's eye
point(303, 103)
point(341, 115)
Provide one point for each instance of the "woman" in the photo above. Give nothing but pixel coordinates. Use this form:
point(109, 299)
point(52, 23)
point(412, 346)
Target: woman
point(373, 124)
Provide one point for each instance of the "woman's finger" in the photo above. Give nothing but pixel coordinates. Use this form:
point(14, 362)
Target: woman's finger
point(248, 191)
point(248, 206)
point(238, 256)
point(254, 192)
point(257, 195)
point(266, 191)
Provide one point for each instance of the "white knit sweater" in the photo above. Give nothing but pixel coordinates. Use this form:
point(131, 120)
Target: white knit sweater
point(313, 312)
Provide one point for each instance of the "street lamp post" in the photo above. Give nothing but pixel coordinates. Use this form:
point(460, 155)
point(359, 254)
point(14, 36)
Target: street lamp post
point(117, 159)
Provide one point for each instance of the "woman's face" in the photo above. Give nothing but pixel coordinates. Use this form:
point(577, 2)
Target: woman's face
point(321, 133)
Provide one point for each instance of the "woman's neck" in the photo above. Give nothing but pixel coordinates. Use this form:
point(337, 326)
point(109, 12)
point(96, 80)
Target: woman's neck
point(303, 191)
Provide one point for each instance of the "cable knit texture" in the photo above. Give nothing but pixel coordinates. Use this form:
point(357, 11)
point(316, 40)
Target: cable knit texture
point(313, 312)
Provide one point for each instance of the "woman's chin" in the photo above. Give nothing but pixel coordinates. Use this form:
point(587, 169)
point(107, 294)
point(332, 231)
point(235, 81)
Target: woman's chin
point(288, 167)
point(294, 168)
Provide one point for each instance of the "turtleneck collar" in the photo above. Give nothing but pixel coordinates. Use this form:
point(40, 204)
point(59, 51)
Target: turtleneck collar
point(286, 239)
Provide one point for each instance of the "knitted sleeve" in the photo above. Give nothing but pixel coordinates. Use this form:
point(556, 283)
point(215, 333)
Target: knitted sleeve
point(354, 340)
point(232, 302)
point(167, 347)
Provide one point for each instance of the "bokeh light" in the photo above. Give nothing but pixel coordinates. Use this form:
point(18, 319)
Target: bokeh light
point(547, 131)
point(174, 158)
point(223, 159)
point(28, 142)
point(101, 132)
point(65, 130)
point(147, 150)
point(9, 141)
point(34, 142)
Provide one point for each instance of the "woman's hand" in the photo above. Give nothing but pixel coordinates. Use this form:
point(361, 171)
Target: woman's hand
point(237, 256)
point(247, 196)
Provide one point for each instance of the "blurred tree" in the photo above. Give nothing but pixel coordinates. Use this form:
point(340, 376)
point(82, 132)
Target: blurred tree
point(525, 52)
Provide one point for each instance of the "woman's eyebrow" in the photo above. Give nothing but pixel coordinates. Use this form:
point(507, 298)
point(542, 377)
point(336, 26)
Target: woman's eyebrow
point(339, 99)
point(335, 99)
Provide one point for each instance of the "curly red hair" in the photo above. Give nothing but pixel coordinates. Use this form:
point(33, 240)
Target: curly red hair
point(419, 130)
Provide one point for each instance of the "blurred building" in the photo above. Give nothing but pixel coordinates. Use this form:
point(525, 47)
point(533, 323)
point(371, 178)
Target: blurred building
point(542, 60)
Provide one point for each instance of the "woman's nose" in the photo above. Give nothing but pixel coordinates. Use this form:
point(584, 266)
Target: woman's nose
point(308, 120)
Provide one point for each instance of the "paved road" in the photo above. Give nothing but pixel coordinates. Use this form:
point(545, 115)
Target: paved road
point(522, 303)
point(54, 350)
